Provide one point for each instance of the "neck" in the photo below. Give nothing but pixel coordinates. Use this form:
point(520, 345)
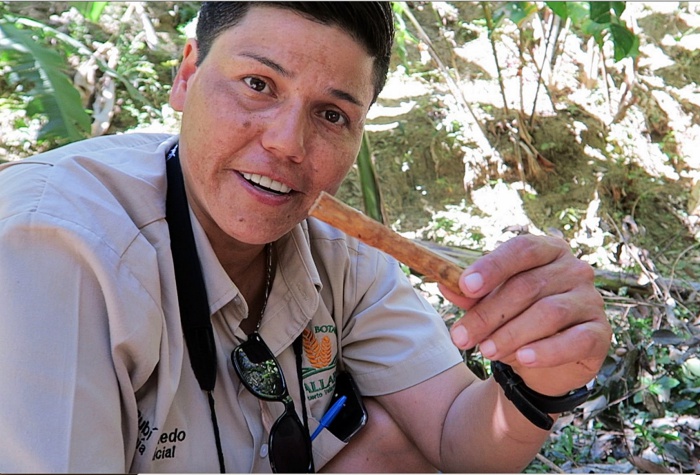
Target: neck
point(247, 265)
point(254, 281)
point(242, 263)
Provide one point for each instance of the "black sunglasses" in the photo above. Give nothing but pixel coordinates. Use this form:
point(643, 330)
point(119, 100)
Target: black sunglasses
point(257, 368)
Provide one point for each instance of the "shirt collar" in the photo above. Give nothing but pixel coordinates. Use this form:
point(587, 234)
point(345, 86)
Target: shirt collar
point(295, 294)
point(220, 288)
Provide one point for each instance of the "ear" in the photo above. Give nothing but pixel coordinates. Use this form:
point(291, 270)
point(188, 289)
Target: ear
point(187, 69)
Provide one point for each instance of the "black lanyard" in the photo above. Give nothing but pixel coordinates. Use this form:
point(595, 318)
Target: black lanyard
point(194, 306)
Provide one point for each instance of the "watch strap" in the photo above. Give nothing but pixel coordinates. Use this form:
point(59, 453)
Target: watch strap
point(533, 405)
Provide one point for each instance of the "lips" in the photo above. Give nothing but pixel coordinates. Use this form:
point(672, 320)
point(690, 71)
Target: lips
point(266, 183)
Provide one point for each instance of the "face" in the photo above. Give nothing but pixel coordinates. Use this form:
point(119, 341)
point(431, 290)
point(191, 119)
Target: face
point(272, 116)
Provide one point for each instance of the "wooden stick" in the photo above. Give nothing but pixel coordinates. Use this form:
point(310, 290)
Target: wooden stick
point(352, 222)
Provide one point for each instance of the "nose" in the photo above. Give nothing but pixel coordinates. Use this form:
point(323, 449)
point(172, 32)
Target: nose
point(285, 132)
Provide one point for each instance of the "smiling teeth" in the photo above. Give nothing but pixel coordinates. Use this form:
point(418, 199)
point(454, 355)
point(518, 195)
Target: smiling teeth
point(267, 182)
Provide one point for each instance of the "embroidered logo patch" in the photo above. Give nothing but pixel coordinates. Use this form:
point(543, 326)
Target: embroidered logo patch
point(318, 354)
point(321, 358)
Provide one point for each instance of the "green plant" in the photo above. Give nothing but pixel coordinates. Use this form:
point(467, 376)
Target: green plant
point(39, 78)
point(602, 21)
point(90, 10)
point(570, 217)
point(368, 182)
point(402, 37)
point(41, 60)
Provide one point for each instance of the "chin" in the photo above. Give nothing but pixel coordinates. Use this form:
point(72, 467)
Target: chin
point(259, 237)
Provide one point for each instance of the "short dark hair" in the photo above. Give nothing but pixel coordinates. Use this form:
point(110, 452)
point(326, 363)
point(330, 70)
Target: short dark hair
point(370, 23)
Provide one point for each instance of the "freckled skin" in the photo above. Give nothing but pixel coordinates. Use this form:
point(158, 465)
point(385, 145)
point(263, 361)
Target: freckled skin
point(242, 116)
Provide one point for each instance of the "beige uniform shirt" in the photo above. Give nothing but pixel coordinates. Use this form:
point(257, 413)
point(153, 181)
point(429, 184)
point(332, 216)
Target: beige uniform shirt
point(94, 375)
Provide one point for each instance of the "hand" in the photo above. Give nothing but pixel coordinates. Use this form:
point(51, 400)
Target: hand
point(531, 304)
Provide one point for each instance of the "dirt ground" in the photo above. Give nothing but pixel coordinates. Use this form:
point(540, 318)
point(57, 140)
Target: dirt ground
point(592, 163)
point(609, 160)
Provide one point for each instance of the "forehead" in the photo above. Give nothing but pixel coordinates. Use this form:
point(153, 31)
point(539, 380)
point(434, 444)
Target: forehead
point(280, 17)
point(297, 43)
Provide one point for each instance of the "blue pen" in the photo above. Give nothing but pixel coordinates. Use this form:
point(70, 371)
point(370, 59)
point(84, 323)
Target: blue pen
point(329, 416)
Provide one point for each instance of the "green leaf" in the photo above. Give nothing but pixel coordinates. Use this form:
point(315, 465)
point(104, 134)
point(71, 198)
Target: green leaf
point(596, 30)
point(518, 12)
point(625, 42)
point(578, 11)
point(561, 9)
point(398, 7)
point(692, 366)
point(600, 12)
point(82, 49)
point(666, 337)
point(52, 91)
point(618, 7)
point(668, 382)
point(90, 10)
point(368, 181)
point(683, 405)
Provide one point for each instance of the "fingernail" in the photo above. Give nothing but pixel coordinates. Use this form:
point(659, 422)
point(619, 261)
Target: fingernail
point(460, 336)
point(526, 356)
point(474, 282)
point(488, 348)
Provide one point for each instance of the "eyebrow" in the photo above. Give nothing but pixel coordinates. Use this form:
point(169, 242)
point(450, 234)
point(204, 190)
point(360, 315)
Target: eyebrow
point(269, 63)
point(338, 93)
point(346, 96)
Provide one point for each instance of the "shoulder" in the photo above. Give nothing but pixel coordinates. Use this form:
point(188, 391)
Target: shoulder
point(109, 186)
point(127, 152)
point(345, 259)
point(328, 239)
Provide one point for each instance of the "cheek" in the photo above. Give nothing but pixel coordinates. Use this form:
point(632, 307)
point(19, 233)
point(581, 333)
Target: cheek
point(332, 175)
point(210, 102)
point(195, 170)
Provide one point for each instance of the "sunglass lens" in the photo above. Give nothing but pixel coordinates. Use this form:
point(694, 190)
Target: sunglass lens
point(290, 447)
point(258, 370)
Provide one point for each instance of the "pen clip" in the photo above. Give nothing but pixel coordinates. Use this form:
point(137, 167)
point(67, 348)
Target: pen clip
point(329, 416)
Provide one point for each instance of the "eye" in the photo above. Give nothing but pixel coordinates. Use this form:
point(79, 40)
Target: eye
point(255, 84)
point(334, 117)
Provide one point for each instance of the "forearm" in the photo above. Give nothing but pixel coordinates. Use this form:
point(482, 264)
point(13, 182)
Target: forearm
point(485, 432)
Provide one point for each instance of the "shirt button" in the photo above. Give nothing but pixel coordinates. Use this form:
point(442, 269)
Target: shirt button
point(263, 451)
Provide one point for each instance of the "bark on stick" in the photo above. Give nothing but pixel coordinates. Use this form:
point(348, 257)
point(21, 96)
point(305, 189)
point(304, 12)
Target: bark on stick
point(417, 257)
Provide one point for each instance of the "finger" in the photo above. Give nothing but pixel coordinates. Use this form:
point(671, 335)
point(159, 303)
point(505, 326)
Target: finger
point(584, 342)
point(510, 258)
point(565, 361)
point(546, 317)
point(521, 292)
point(458, 299)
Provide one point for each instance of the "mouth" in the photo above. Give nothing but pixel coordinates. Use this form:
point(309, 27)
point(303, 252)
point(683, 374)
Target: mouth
point(266, 184)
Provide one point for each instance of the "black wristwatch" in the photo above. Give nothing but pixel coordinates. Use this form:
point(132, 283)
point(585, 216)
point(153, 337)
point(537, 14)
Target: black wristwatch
point(535, 406)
